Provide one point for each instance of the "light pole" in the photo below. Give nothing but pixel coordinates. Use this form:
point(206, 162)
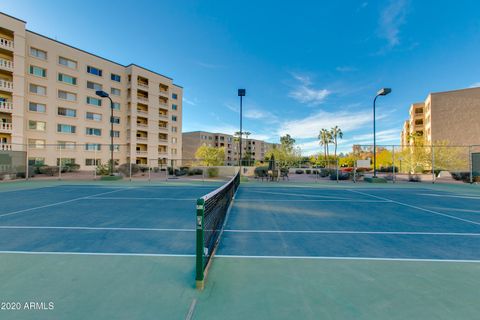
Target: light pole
point(241, 94)
point(381, 92)
point(103, 94)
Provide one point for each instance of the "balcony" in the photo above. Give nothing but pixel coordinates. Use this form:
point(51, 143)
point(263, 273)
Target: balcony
point(163, 128)
point(142, 111)
point(164, 93)
point(6, 85)
point(162, 152)
point(142, 152)
point(163, 116)
point(142, 125)
point(6, 44)
point(162, 140)
point(6, 64)
point(142, 98)
point(6, 127)
point(6, 107)
point(5, 147)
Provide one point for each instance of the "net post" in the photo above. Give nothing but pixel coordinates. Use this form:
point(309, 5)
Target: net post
point(433, 164)
point(60, 166)
point(337, 169)
point(26, 163)
point(470, 163)
point(393, 164)
point(199, 277)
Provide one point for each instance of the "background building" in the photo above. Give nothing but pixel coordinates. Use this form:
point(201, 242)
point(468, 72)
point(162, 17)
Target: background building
point(253, 149)
point(48, 105)
point(452, 116)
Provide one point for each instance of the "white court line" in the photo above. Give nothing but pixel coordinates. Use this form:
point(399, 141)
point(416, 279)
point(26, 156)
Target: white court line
point(98, 228)
point(97, 253)
point(301, 195)
point(140, 198)
point(345, 258)
point(449, 196)
point(356, 232)
point(418, 208)
point(59, 203)
point(309, 200)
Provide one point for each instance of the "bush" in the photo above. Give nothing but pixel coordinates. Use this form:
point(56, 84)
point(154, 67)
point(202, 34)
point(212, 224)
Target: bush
point(72, 167)
point(49, 170)
point(414, 178)
point(308, 171)
point(195, 172)
point(143, 168)
point(298, 171)
point(341, 175)
point(180, 172)
point(212, 172)
point(464, 176)
point(261, 171)
point(315, 171)
point(103, 169)
point(327, 172)
point(124, 169)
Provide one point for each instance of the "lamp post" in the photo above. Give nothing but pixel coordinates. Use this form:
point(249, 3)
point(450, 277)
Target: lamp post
point(381, 92)
point(103, 94)
point(241, 94)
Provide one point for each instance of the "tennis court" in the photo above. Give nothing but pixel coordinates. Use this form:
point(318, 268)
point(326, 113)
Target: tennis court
point(333, 251)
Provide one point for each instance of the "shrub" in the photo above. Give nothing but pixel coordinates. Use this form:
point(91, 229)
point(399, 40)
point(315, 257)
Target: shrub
point(261, 171)
point(315, 171)
point(180, 172)
point(49, 170)
point(143, 168)
point(72, 167)
point(414, 178)
point(125, 169)
point(195, 172)
point(387, 169)
point(341, 175)
point(103, 169)
point(212, 172)
point(308, 171)
point(298, 171)
point(464, 176)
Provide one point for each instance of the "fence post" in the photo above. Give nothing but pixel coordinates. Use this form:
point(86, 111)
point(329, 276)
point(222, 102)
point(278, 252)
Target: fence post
point(470, 161)
point(26, 163)
point(95, 163)
point(60, 165)
point(433, 163)
point(149, 174)
point(337, 169)
point(130, 170)
point(393, 166)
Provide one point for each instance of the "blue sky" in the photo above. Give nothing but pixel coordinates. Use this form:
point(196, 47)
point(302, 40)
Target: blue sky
point(306, 65)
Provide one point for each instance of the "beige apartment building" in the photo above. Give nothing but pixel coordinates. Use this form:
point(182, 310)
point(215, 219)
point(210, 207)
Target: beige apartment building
point(452, 116)
point(48, 105)
point(255, 149)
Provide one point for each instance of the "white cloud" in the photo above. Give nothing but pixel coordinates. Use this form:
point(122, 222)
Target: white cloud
point(391, 19)
point(311, 125)
point(253, 112)
point(190, 102)
point(475, 85)
point(305, 93)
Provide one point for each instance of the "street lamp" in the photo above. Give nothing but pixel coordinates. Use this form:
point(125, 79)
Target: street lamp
point(381, 92)
point(241, 94)
point(103, 94)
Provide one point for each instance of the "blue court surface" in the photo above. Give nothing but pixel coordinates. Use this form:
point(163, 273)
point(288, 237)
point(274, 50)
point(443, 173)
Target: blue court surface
point(284, 221)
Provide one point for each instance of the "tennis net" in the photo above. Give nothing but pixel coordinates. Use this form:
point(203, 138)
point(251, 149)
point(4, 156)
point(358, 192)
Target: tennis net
point(212, 211)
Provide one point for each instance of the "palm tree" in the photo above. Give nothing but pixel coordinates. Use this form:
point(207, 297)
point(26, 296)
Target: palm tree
point(325, 138)
point(336, 133)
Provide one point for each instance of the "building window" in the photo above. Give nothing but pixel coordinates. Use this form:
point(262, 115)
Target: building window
point(93, 85)
point(116, 106)
point(69, 96)
point(36, 144)
point(115, 77)
point(174, 140)
point(65, 161)
point(115, 134)
point(40, 90)
point(93, 116)
point(93, 132)
point(37, 125)
point(66, 128)
point(94, 101)
point(67, 79)
point(174, 107)
point(35, 161)
point(94, 71)
point(115, 91)
point(37, 107)
point(93, 147)
point(37, 53)
point(174, 151)
point(66, 145)
point(66, 112)
point(67, 63)
point(174, 118)
point(37, 71)
point(116, 147)
point(174, 129)
point(174, 96)
point(116, 120)
point(93, 162)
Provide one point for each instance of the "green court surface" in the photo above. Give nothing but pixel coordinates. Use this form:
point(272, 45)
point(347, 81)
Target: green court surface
point(116, 250)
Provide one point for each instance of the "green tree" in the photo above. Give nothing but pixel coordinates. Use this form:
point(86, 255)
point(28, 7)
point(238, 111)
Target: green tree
point(325, 138)
point(210, 156)
point(287, 142)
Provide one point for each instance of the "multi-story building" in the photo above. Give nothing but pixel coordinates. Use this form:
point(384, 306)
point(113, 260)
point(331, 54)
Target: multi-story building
point(254, 150)
point(451, 116)
point(47, 98)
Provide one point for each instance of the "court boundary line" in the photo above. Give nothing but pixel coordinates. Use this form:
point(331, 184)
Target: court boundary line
point(59, 203)
point(416, 207)
point(97, 228)
point(303, 195)
point(139, 198)
point(460, 196)
point(96, 253)
point(346, 258)
point(314, 200)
